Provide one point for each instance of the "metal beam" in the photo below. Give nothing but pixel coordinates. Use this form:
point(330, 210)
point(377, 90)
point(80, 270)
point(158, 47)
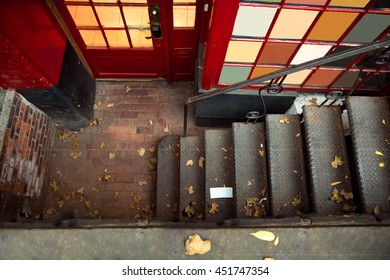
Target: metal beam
point(292, 69)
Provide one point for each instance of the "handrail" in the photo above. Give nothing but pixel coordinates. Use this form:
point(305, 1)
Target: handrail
point(292, 69)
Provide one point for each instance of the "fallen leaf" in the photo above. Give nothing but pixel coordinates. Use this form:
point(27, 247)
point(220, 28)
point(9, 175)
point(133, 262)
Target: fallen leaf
point(116, 196)
point(76, 142)
point(276, 241)
point(335, 183)
point(376, 210)
point(298, 134)
point(172, 206)
point(214, 208)
point(261, 152)
point(137, 198)
point(102, 145)
point(313, 101)
point(285, 120)
point(111, 155)
point(379, 153)
point(60, 202)
point(82, 130)
point(152, 164)
point(127, 89)
point(95, 189)
point(53, 186)
point(110, 105)
point(336, 196)
point(87, 203)
point(80, 190)
point(381, 164)
point(268, 259)
point(59, 173)
point(201, 162)
point(346, 195)
point(296, 201)
point(190, 163)
point(142, 182)
point(249, 183)
point(26, 211)
point(195, 245)
point(383, 121)
point(74, 154)
point(71, 194)
point(64, 135)
point(106, 178)
point(338, 161)
point(189, 211)
point(166, 128)
point(94, 122)
point(152, 149)
point(50, 211)
point(223, 149)
point(264, 235)
point(190, 190)
point(141, 151)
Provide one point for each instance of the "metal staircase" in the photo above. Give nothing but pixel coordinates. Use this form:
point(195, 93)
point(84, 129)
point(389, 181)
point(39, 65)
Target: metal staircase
point(286, 167)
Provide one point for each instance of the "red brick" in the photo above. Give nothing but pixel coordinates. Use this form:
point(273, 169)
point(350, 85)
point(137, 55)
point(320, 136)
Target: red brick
point(128, 115)
point(147, 100)
point(114, 187)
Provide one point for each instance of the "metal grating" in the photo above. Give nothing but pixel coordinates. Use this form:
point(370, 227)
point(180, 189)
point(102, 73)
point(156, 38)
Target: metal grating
point(370, 119)
point(219, 173)
point(168, 191)
point(288, 187)
point(250, 170)
point(325, 140)
point(192, 179)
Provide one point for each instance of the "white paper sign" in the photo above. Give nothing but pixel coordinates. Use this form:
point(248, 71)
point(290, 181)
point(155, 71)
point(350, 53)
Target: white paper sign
point(221, 192)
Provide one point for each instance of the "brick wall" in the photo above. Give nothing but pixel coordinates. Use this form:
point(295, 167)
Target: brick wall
point(25, 138)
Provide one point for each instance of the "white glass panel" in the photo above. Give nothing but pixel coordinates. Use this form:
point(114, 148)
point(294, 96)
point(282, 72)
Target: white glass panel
point(253, 21)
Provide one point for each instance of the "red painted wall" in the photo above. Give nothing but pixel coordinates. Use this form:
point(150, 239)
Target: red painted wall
point(36, 39)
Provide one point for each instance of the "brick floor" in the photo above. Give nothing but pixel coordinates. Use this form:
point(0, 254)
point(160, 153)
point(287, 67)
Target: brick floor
point(99, 172)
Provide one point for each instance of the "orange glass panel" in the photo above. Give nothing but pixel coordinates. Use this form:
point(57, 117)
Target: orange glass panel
point(260, 71)
point(183, 1)
point(297, 78)
point(136, 16)
point(138, 38)
point(323, 77)
point(276, 53)
point(135, 1)
point(292, 24)
point(240, 51)
point(93, 38)
point(77, 1)
point(349, 3)
point(109, 16)
point(83, 16)
point(105, 1)
point(331, 26)
point(184, 16)
point(117, 38)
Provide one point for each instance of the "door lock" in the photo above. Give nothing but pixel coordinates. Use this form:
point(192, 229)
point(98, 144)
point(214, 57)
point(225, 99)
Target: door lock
point(155, 21)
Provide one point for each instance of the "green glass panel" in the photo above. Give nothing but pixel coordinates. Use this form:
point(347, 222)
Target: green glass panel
point(368, 29)
point(233, 74)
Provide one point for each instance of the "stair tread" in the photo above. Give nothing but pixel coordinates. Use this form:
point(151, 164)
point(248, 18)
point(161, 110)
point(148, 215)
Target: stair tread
point(325, 141)
point(219, 173)
point(192, 181)
point(288, 187)
point(369, 120)
point(168, 179)
point(250, 170)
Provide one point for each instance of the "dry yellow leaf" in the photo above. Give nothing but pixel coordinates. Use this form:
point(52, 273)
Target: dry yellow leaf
point(261, 153)
point(298, 134)
point(276, 241)
point(190, 189)
point(116, 196)
point(268, 259)
point(214, 208)
point(141, 151)
point(152, 149)
point(223, 149)
point(195, 245)
point(313, 101)
point(102, 145)
point(296, 201)
point(346, 195)
point(383, 121)
point(285, 120)
point(50, 211)
point(111, 155)
point(201, 162)
point(142, 182)
point(74, 154)
point(80, 190)
point(336, 196)
point(106, 178)
point(264, 235)
point(381, 164)
point(166, 128)
point(95, 189)
point(379, 153)
point(189, 163)
point(94, 122)
point(338, 161)
point(376, 210)
point(53, 186)
point(335, 183)
point(110, 105)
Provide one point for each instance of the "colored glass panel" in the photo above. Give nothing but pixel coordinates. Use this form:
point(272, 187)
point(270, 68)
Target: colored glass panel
point(266, 1)
point(331, 26)
point(136, 16)
point(346, 80)
point(260, 71)
point(240, 51)
point(135, 1)
point(276, 53)
point(184, 16)
point(323, 77)
point(93, 38)
point(109, 16)
point(368, 28)
point(117, 38)
point(292, 24)
point(345, 62)
point(253, 21)
point(138, 38)
point(307, 2)
point(349, 3)
point(83, 16)
point(310, 52)
point(297, 78)
point(234, 74)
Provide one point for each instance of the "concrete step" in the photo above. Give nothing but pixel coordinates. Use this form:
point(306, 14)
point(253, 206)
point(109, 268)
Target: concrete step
point(192, 179)
point(250, 163)
point(220, 189)
point(370, 130)
point(168, 180)
point(328, 160)
point(288, 187)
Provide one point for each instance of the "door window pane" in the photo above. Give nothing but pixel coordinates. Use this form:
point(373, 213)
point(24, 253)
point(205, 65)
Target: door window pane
point(83, 16)
point(184, 16)
point(109, 16)
point(117, 38)
point(138, 38)
point(93, 38)
point(136, 16)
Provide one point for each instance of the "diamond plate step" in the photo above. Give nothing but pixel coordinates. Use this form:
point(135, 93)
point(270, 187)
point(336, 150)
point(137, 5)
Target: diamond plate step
point(192, 179)
point(288, 187)
point(219, 173)
point(250, 170)
point(325, 140)
point(168, 179)
point(370, 130)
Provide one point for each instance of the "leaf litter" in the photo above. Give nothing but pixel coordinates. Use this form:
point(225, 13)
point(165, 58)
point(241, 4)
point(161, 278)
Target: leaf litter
point(264, 235)
point(195, 245)
point(338, 161)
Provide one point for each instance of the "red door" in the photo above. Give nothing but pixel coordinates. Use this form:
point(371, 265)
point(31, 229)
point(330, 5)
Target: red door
point(135, 38)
